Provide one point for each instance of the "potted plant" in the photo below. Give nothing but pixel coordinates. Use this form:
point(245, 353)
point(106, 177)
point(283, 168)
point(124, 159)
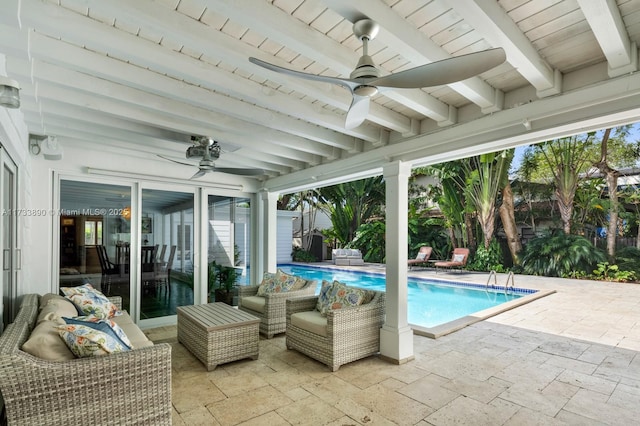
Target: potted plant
point(224, 281)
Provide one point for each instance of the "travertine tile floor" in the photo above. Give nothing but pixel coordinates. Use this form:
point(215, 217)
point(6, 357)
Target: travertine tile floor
point(569, 358)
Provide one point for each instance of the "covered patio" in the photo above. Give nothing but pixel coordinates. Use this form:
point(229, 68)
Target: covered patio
point(568, 358)
point(115, 92)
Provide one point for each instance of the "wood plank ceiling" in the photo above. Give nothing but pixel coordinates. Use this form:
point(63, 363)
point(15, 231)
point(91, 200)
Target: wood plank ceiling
point(143, 76)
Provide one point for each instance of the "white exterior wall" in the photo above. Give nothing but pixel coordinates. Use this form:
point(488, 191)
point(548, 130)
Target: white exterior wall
point(285, 236)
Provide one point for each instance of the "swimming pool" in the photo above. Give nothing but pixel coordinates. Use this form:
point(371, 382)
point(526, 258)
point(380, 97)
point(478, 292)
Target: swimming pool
point(435, 307)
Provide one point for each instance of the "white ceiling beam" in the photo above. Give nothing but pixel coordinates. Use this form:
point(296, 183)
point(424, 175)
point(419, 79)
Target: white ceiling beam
point(95, 136)
point(492, 21)
point(78, 29)
point(214, 122)
point(267, 20)
point(606, 23)
point(69, 117)
point(91, 63)
point(415, 46)
point(219, 45)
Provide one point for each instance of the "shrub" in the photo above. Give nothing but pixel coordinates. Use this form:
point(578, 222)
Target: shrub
point(302, 255)
point(628, 259)
point(607, 272)
point(559, 255)
point(487, 259)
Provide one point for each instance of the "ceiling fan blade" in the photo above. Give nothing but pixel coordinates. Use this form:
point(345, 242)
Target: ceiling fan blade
point(198, 174)
point(443, 72)
point(239, 171)
point(175, 161)
point(357, 111)
point(349, 84)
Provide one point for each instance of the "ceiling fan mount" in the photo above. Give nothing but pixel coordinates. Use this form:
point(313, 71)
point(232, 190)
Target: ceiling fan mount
point(366, 81)
point(209, 150)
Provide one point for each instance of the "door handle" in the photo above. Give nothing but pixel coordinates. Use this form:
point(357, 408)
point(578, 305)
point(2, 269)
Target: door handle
point(6, 259)
point(18, 259)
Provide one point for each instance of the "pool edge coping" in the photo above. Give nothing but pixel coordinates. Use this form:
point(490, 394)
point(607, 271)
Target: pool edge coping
point(460, 323)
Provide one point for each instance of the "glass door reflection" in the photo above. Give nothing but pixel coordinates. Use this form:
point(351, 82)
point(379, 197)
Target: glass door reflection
point(166, 257)
point(95, 234)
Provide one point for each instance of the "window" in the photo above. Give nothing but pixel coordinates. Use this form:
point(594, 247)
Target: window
point(93, 232)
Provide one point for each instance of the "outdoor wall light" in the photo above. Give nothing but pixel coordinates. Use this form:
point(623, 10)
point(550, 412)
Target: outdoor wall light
point(9, 93)
point(47, 145)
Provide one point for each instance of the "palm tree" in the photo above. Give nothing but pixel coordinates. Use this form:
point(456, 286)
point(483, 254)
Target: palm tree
point(485, 176)
point(567, 158)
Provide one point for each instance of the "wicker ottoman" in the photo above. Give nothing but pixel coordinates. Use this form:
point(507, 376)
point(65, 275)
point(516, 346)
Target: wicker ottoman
point(217, 333)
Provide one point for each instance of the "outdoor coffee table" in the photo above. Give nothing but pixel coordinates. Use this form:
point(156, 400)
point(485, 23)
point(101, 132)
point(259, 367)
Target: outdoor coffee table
point(217, 333)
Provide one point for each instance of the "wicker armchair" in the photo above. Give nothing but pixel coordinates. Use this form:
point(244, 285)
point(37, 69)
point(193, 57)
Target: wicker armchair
point(271, 309)
point(349, 334)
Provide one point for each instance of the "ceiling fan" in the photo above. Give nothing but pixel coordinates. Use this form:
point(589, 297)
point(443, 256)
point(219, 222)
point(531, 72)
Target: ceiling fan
point(365, 81)
point(209, 150)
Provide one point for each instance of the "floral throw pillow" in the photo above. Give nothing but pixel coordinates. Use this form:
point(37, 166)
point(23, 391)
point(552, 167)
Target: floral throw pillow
point(282, 282)
point(322, 305)
point(84, 341)
point(267, 283)
point(343, 296)
point(89, 301)
point(106, 326)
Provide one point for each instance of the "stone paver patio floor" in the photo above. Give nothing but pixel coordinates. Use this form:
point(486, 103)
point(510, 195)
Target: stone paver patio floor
point(568, 358)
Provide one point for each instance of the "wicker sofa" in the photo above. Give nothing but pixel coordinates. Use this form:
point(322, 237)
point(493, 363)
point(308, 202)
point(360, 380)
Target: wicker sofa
point(271, 308)
point(347, 257)
point(126, 388)
point(343, 336)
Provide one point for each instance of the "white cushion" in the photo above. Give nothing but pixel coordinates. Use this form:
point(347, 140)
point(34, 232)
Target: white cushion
point(311, 321)
point(458, 257)
point(255, 303)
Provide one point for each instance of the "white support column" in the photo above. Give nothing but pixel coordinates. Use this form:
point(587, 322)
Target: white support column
point(396, 337)
point(256, 267)
point(270, 223)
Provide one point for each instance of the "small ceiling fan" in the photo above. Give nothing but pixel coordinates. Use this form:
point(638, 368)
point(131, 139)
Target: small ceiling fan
point(365, 80)
point(209, 150)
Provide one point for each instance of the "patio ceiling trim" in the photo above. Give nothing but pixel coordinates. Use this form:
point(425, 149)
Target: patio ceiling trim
point(574, 112)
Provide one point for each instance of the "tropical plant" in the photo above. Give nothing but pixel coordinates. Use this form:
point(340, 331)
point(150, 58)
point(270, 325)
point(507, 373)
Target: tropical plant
point(487, 259)
point(350, 204)
point(370, 239)
point(631, 197)
point(628, 259)
point(567, 159)
point(484, 176)
point(559, 255)
point(450, 199)
point(605, 271)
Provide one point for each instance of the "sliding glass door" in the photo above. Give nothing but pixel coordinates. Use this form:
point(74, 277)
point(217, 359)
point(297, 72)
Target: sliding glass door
point(9, 237)
point(95, 237)
point(167, 255)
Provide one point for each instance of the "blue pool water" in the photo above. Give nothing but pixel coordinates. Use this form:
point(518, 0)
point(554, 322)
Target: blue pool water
point(430, 302)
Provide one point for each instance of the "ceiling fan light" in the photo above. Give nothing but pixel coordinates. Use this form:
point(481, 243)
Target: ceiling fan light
point(365, 90)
